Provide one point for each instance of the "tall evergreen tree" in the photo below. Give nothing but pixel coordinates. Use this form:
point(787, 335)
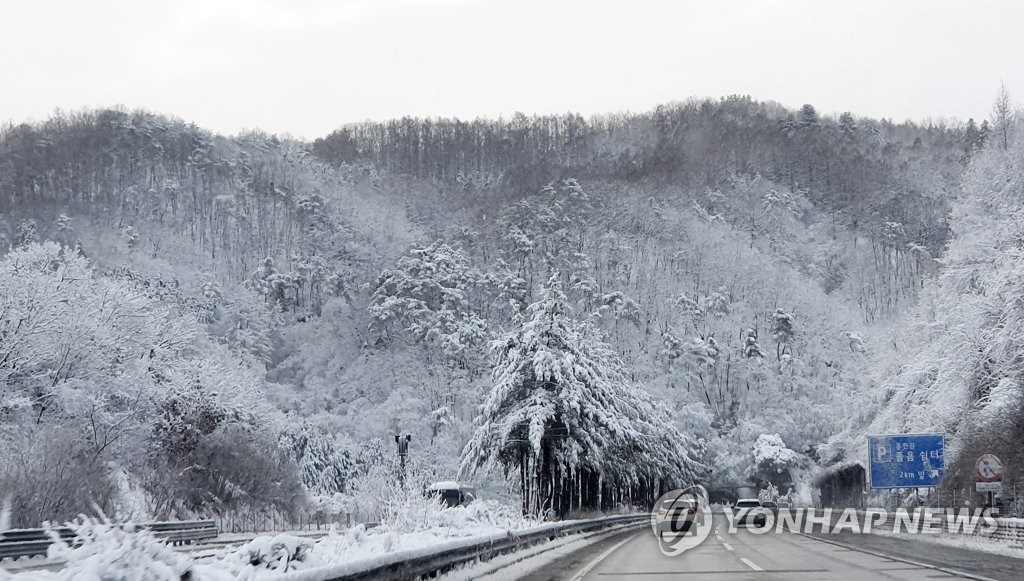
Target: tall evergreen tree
point(562, 416)
point(1002, 116)
point(809, 116)
point(782, 330)
point(847, 124)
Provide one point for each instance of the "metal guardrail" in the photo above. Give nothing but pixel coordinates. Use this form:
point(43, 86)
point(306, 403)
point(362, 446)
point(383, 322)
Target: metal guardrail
point(430, 561)
point(33, 542)
point(183, 532)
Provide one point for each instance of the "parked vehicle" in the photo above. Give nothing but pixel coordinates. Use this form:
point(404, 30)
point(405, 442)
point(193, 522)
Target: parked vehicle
point(452, 493)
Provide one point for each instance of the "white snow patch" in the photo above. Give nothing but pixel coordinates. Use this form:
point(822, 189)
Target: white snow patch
point(113, 554)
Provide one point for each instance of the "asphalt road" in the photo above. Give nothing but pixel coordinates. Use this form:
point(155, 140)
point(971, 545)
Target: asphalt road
point(749, 556)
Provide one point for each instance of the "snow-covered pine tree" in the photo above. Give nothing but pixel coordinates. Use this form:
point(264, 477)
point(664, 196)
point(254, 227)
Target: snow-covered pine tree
point(27, 233)
point(848, 125)
point(690, 308)
point(782, 330)
point(563, 420)
point(750, 346)
point(716, 304)
point(325, 468)
point(809, 116)
point(427, 294)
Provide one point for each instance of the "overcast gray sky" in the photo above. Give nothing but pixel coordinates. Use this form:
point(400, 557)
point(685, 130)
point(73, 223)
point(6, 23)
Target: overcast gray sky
point(305, 67)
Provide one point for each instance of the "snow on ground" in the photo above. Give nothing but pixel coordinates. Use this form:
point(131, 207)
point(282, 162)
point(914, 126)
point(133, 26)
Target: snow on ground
point(244, 537)
point(281, 553)
point(110, 553)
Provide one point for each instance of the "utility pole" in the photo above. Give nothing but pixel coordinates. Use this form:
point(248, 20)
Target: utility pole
point(403, 451)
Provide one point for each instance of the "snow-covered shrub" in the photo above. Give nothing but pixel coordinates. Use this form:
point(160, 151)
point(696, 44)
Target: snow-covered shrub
point(230, 467)
point(482, 512)
point(46, 475)
point(104, 551)
point(96, 372)
point(406, 509)
point(805, 495)
point(428, 523)
point(768, 494)
point(277, 553)
point(365, 495)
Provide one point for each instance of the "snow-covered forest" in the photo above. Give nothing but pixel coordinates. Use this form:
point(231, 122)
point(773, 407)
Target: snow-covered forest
point(576, 310)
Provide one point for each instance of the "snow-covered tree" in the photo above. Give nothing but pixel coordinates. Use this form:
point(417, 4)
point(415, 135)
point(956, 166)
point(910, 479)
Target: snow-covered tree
point(847, 124)
point(428, 296)
point(809, 116)
point(326, 468)
point(690, 309)
point(248, 323)
point(98, 378)
point(956, 367)
point(1003, 116)
point(751, 348)
point(773, 461)
point(561, 415)
point(782, 330)
point(27, 233)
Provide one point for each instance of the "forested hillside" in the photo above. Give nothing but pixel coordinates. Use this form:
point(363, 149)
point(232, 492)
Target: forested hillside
point(739, 262)
point(954, 366)
point(847, 180)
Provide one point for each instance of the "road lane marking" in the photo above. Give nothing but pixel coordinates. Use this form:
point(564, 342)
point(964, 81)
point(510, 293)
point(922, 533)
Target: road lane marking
point(597, 560)
point(750, 564)
point(715, 573)
point(728, 546)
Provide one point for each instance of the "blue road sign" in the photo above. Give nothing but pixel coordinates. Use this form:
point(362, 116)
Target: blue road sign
point(905, 460)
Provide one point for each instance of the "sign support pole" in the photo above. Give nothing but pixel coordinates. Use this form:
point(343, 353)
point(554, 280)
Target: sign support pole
point(989, 470)
point(403, 451)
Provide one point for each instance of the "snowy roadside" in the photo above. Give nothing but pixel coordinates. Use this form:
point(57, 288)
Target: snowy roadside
point(110, 553)
point(199, 550)
point(352, 549)
point(245, 537)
